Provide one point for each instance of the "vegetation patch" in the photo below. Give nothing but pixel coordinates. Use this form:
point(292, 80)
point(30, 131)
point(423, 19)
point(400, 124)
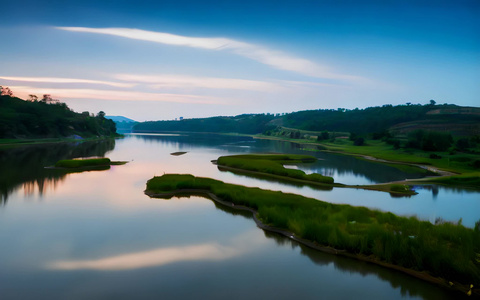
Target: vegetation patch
point(471, 180)
point(273, 164)
point(402, 188)
point(86, 163)
point(444, 250)
point(178, 153)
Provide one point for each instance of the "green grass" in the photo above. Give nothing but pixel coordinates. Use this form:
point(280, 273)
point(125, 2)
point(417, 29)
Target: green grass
point(471, 180)
point(456, 162)
point(81, 163)
point(445, 250)
point(399, 188)
point(273, 164)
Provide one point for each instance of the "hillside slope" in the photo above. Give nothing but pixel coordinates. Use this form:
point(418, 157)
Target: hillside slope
point(25, 119)
point(399, 120)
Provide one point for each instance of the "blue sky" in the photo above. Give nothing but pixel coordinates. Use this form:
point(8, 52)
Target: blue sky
point(151, 60)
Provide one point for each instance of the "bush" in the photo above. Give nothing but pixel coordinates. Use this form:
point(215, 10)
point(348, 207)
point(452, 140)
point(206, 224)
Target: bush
point(359, 142)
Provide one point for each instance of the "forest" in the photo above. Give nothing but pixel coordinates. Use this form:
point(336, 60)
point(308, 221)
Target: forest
point(48, 118)
point(400, 119)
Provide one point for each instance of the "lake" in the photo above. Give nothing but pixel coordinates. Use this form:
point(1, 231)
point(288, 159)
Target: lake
point(95, 235)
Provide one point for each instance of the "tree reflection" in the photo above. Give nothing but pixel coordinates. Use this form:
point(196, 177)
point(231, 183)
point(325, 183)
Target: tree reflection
point(24, 166)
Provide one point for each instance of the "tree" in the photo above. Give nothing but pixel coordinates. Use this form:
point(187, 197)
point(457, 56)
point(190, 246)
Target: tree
point(353, 136)
point(6, 91)
point(323, 136)
point(32, 98)
point(101, 115)
point(47, 98)
point(462, 144)
point(432, 102)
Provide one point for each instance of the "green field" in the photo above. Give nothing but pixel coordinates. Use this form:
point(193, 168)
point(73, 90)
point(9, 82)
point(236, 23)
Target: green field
point(445, 250)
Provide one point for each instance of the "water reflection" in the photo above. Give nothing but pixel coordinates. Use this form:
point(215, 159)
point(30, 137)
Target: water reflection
point(344, 169)
point(197, 140)
point(409, 287)
point(151, 258)
point(267, 178)
point(24, 166)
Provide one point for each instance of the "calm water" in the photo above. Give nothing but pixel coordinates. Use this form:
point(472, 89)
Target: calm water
point(96, 235)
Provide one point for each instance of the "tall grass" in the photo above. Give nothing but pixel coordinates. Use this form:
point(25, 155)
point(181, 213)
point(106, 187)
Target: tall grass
point(273, 164)
point(445, 250)
point(78, 163)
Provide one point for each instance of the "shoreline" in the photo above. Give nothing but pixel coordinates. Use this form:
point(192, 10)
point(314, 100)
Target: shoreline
point(436, 170)
point(326, 249)
point(370, 187)
point(45, 141)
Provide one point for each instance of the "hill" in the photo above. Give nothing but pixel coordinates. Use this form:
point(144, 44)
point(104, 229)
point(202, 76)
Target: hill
point(253, 123)
point(118, 119)
point(397, 120)
point(54, 119)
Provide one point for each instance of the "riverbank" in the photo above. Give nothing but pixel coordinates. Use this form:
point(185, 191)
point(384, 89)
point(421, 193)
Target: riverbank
point(455, 172)
point(357, 232)
point(399, 188)
point(10, 143)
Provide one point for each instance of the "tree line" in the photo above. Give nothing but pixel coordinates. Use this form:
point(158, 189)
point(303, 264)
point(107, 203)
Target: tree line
point(47, 118)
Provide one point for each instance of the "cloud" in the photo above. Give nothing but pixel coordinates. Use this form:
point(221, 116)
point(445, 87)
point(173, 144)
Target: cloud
point(65, 80)
point(24, 91)
point(273, 58)
point(181, 81)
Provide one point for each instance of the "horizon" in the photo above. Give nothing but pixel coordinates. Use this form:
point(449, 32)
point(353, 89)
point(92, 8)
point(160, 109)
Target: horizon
point(186, 59)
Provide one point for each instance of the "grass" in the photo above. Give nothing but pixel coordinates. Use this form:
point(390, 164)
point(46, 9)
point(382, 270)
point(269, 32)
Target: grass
point(470, 180)
point(399, 188)
point(273, 164)
point(457, 163)
point(444, 250)
point(80, 163)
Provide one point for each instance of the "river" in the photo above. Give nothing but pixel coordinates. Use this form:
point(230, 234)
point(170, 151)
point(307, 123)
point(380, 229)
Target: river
point(96, 235)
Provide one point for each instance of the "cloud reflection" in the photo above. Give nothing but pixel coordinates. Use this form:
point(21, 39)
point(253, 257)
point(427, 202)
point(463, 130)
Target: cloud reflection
point(242, 244)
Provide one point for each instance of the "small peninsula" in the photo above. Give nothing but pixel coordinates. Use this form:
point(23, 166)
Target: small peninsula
point(432, 252)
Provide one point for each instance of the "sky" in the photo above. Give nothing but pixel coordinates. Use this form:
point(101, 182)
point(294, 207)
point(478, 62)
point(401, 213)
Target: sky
point(161, 60)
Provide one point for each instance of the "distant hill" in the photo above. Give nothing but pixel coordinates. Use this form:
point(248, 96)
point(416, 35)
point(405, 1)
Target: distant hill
point(39, 119)
point(124, 124)
point(398, 120)
point(120, 119)
point(253, 123)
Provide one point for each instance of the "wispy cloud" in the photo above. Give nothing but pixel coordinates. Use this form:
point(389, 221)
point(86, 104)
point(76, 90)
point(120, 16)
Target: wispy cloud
point(66, 80)
point(114, 95)
point(274, 58)
point(182, 81)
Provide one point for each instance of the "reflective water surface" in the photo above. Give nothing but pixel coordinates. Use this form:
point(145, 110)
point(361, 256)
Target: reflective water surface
point(96, 235)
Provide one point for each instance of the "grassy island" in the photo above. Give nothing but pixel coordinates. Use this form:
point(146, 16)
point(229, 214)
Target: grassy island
point(91, 163)
point(274, 164)
point(447, 251)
